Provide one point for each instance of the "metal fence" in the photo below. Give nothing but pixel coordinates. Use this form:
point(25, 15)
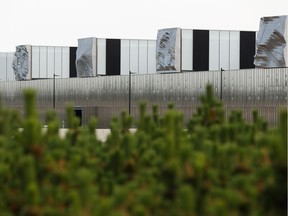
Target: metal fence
point(106, 96)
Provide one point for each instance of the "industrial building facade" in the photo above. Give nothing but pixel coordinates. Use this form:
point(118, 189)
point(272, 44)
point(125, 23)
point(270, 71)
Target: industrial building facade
point(200, 50)
point(102, 77)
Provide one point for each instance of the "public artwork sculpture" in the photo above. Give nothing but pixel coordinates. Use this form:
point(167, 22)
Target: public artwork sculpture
point(86, 57)
point(21, 63)
point(168, 50)
point(271, 50)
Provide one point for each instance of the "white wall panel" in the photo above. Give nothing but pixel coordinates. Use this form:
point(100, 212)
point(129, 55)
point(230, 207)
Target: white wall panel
point(58, 61)
point(35, 62)
point(214, 50)
point(10, 72)
point(3, 66)
point(256, 35)
point(234, 50)
point(101, 57)
point(43, 62)
point(125, 57)
point(143, 56)
point(224, 50)
point(50, 61)
point(187, 49)
point(151, 57)
point(134, 56)
point(65, 62)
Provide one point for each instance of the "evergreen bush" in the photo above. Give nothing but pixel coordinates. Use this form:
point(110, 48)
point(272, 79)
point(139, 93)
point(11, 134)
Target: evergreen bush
point(215, 167)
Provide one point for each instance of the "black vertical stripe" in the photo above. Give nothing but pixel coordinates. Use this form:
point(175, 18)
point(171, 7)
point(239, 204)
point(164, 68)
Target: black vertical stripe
point(72, 63)
point(113, 56)
point(247, 49)
point(200, 50)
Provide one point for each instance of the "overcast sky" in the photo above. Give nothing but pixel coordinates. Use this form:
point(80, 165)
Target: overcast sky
point(62, 22)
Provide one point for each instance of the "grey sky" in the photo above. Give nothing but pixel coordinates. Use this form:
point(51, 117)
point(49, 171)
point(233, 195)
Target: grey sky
point(62, 22)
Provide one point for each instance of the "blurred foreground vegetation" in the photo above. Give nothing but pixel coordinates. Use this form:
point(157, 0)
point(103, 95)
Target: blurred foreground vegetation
point(215, 167)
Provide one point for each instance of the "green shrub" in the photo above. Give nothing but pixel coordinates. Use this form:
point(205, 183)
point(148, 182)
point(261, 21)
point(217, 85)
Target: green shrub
point(215, 167)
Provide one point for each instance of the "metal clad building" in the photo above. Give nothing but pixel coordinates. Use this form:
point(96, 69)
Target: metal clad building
point(95, 76)
point(195, 50)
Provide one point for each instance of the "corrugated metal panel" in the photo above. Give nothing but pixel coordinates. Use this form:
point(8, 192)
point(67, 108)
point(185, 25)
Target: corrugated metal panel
point(106, 96)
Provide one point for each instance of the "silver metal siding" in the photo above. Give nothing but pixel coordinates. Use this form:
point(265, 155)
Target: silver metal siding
point(106, 96)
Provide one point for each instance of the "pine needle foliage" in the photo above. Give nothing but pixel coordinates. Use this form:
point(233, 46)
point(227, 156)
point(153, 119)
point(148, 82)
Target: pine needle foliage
point(214, 167)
